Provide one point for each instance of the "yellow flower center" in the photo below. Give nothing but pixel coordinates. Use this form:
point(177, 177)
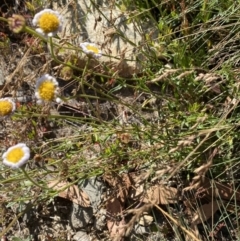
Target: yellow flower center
point(48, 22)
point(15, 155)
point(93, 49)
point(47, 90)
point(5, 108)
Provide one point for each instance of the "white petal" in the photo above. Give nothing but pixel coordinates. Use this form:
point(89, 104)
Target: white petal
point(22, 161)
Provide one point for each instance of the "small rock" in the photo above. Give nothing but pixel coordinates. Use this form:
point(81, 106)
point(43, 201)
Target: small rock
point(146, 220)
point(81, 236)
point(100, 220)
point(94, 188)
point(2, 80)
point(106, 25)
point(81, 216)
point(141, 230)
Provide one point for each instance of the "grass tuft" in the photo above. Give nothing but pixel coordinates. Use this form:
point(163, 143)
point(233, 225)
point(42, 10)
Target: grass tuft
point(181, 112)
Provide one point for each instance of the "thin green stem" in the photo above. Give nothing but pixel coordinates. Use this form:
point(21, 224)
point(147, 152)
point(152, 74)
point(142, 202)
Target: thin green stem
point(31, 180)
point(34, 33)
point(11, 224)
point(73, 66)
point(3, 19)
point(58, 60)
point(82, 82)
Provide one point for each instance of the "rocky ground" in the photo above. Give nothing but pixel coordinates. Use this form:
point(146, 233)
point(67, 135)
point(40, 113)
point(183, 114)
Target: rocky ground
point(68, 217)
point(104, 134)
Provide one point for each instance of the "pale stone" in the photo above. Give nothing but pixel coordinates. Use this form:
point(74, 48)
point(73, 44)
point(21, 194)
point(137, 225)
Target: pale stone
point(82, 216)
point(2, 68)
point(81, 236)
point(120, 37)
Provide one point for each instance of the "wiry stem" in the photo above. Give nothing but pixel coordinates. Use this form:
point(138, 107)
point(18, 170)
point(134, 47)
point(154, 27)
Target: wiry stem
point(31, 180)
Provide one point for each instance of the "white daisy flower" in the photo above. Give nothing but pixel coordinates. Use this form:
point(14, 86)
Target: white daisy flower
point(16, 156)
point(46, 88)
point(7, 107)
point(49, 22)
point(91, 49)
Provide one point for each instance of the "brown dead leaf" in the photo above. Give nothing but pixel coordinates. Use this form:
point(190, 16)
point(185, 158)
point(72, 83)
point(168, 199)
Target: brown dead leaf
point(160, 194)
point(72, 193)
point(204, 212)
point(114, 208)
point(214, 189)
point(200, 215)
point(222, 191)
point(120, 183)
point(210, 191)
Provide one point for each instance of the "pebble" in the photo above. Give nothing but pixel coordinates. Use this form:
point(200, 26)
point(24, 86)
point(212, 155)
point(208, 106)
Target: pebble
point(81, 236)
point(82, 216)
point(2, 80)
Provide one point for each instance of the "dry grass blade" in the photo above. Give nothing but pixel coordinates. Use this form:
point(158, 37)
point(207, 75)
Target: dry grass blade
point(188, 233)
point(185, 142)
point(200, 172)
point(212, 81)
point(209, 162)
point(125, 124)
point(200, 177)
point(163, 76)
point(203, 169)
point(141, 177)
point(209, 190)
point(137, 215)
point(72, 193)
point(202, 214)
point(160, 173)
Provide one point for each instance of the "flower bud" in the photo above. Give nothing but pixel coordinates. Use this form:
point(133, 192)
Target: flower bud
point(16, 23)
point(66, 73)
